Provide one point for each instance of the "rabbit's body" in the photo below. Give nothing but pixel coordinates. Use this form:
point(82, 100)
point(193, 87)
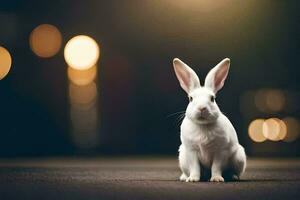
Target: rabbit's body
point(209, 141)
point(208, 138)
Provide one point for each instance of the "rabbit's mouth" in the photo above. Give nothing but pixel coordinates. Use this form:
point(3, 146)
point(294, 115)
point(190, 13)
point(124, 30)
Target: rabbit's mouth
point(202, 116)
point(202, 120)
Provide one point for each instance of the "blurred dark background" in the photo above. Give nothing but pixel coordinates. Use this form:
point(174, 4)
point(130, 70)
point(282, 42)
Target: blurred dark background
point(135, 91)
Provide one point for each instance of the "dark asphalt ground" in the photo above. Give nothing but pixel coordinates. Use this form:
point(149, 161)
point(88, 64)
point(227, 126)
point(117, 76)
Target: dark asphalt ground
point(140, 178)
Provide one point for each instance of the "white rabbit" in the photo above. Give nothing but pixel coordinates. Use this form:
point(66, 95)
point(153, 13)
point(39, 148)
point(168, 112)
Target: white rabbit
point(209, 141)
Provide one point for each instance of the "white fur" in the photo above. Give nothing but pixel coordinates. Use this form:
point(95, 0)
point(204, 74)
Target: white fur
point(208, 138)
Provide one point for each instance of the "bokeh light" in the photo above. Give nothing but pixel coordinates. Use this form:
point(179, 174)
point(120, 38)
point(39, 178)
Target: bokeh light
point(255, 130)
point(283, 130)
point(82, 94)
point(82, 77)
point(5, 62)
point(293, 129)
point(81, 52)
point(275, 100)
point(271, 129)
point(270, 100)
point(84, 106)
point(260, 100)
point(45, 40)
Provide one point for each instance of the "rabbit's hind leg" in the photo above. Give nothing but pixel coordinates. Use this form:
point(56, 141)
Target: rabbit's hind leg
point(238, 162)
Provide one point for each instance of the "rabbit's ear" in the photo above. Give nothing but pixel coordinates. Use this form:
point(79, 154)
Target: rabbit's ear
point(216, 76)
point(188, 79)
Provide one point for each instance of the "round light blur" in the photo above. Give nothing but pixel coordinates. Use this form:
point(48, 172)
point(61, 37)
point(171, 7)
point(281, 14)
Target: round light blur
point(270, 100)
point(45, 40)
point(260, 100)
point(5, 62)
point(283, 130)
point(81, 52)
point(82, 77)
point(255, 130)
point(82, 94)
point(293, 128)
point(271, 129)
point(275, 100)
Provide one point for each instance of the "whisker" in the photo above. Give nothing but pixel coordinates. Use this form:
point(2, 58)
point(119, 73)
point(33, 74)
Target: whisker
point(180, 118)
point(180, 112)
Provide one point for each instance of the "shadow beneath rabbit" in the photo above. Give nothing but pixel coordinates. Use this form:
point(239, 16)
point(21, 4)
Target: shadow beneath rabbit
point(228, 176)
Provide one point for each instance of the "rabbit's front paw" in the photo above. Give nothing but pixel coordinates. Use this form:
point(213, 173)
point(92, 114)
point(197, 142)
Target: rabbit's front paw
point(192, 179)
point(183, 177)
point(217, 179)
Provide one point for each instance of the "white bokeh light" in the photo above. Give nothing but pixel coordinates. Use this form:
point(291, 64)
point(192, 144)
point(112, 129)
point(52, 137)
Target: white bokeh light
point(81, 52)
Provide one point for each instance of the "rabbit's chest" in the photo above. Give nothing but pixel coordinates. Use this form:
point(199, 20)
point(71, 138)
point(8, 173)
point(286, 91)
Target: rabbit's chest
point(204, 141)
point(206, 144)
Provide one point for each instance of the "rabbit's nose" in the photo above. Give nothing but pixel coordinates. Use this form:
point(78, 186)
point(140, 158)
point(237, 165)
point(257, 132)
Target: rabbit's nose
point(202, 109)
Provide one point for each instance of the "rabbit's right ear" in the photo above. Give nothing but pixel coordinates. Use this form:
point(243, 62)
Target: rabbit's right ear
point(188, 79)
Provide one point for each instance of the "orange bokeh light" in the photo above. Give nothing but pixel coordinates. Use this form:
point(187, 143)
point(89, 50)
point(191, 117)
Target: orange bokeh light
point(5, 62)
point(82, 77)
point(45, 40)
point(255, 130)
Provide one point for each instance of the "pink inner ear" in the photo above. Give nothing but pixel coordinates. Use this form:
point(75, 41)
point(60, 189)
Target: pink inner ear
point(220, 77)
point(184, 78)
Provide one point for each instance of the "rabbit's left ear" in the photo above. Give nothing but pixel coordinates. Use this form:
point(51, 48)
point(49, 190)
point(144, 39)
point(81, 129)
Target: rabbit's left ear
point(187, 78)
point(216, 77)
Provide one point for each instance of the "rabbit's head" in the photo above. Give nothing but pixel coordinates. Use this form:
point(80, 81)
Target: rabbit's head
point(202, 107)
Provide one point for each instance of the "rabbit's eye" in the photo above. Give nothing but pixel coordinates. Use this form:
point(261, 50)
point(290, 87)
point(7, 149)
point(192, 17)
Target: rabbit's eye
point(212, 98)
point(190, 98)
